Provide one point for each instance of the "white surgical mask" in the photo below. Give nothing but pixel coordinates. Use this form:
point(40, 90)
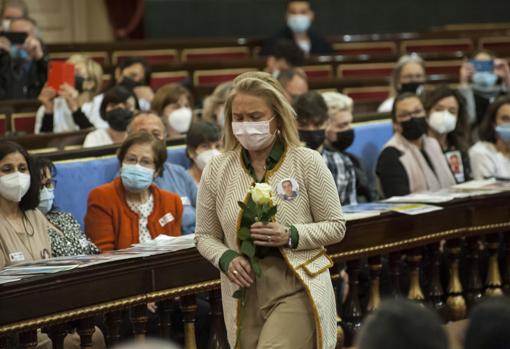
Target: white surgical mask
point(204, 157)
point(442, 121)
point(46, 198)
point(298, 23)
point(180, 119)
point(253, 135)
point(275, 73)
point(14, 186)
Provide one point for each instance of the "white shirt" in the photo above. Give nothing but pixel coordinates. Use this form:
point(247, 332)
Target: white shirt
point(143, 210)
point(386, 106)
point(98, 138)
point(91, 110)
point(62, 117)
point(487, 161)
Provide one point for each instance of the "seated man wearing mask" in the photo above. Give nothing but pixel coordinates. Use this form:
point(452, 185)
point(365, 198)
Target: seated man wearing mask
point(350, 178)
point(23, 67)
point(132, 73)
point(409, 75)
point(482, 79)
point(411, 161)
point(294, 83)
point(286, 55)
point(312, 115)
point(299, 17)
point(174, 178)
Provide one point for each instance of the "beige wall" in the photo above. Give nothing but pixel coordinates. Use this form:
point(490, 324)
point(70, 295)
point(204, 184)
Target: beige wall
point(71, 20)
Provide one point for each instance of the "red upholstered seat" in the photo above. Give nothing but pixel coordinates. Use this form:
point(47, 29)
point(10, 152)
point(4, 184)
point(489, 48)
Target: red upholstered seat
point(3, 125)
point(365, 70)
point(443, 67)
point(23, 122)
point(100, 57)
point(372, 93)
point(313, 72)
point(216, 53)
point(501, 43)
point(217, 76)
point(162, 78)
point(152, 56)
point(365, 48)
point(437, 46)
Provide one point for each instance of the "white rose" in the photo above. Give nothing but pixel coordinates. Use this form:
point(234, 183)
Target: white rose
point(261, 193)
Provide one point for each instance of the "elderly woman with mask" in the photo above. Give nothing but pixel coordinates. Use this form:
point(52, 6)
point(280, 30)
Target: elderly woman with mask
point(294, 286)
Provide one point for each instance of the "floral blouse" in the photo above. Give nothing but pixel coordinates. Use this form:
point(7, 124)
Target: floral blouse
point(144, 210)
point(73, 241)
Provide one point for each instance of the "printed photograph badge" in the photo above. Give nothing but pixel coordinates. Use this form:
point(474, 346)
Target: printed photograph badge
point(288, 189)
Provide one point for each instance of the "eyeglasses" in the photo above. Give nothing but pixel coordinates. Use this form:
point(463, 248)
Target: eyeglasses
point(50, 183)
point(142, 162)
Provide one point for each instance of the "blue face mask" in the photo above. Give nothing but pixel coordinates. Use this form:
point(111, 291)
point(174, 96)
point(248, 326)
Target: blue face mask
point(136, 177)
point(503, 132)
point(17, 52)
point(485, 79)
point(298, 23)
point(46, 198)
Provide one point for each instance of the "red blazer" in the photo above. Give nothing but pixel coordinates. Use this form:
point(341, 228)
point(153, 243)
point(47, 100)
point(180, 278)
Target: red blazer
point(112, 225)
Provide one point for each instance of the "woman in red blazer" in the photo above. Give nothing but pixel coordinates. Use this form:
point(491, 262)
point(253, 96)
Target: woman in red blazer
point(131, 209)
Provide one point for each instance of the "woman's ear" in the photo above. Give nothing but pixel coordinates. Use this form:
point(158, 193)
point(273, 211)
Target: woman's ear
point(117, 74)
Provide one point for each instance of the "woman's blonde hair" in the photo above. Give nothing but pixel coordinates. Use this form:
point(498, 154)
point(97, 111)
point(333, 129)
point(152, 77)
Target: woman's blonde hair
point(212, 102)
point(94, 71)
point(263, 85)
point(337, 102)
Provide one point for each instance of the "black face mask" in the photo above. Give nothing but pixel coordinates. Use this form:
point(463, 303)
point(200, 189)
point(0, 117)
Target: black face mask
point(129, 83)
point(344, 139)
point(414, 128)
point(412, 87)
point(313, 139)
point(118, 119)
point(78, 83)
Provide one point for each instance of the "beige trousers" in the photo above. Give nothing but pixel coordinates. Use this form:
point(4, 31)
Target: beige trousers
point(277, 314)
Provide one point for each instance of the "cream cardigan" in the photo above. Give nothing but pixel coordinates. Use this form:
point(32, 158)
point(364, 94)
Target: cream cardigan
point(315, 212)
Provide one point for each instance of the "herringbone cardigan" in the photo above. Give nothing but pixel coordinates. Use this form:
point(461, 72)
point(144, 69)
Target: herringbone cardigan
point(315, 212)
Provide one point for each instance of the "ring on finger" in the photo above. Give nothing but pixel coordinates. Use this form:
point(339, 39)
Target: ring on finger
point(269, 238)
point(235, 272)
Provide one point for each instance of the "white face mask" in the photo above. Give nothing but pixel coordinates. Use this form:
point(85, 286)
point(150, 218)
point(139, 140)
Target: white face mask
point(14, 186)
point(275, 73)
point(298, 23)
point(220, 119)
point(46, 198)
point(204, 157)
point(180, 119)
point(442, 121)
point(253, 135)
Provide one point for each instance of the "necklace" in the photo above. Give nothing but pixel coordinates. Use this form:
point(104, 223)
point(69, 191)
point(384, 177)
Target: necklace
point(19, 234)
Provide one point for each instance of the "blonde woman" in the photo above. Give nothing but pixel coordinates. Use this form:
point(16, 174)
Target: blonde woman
point(61, 110)
point(291, 304)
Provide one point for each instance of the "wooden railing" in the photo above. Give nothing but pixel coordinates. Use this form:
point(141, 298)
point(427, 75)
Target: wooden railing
point(402, 240)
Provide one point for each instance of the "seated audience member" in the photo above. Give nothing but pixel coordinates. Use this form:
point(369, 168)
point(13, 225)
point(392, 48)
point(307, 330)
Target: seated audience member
point(299, 17)
point(174, 178)
point(23, 67)
point(174, 104)
point(67, 238)
point(448, 124)
point(23, 229)
point(488, 325)
point(131, 209)
point(61, 110)
point(294, 82)
point(214, 105)
point(402, 324)
point(286, 55)
point(117, 108)
point(12, 9)
point(490, 157)
point(134, 74)
point(411, 161)
point(408, 76)
point(203, 143)
point(312, 116)
point(482, 79)
point(350, 178)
